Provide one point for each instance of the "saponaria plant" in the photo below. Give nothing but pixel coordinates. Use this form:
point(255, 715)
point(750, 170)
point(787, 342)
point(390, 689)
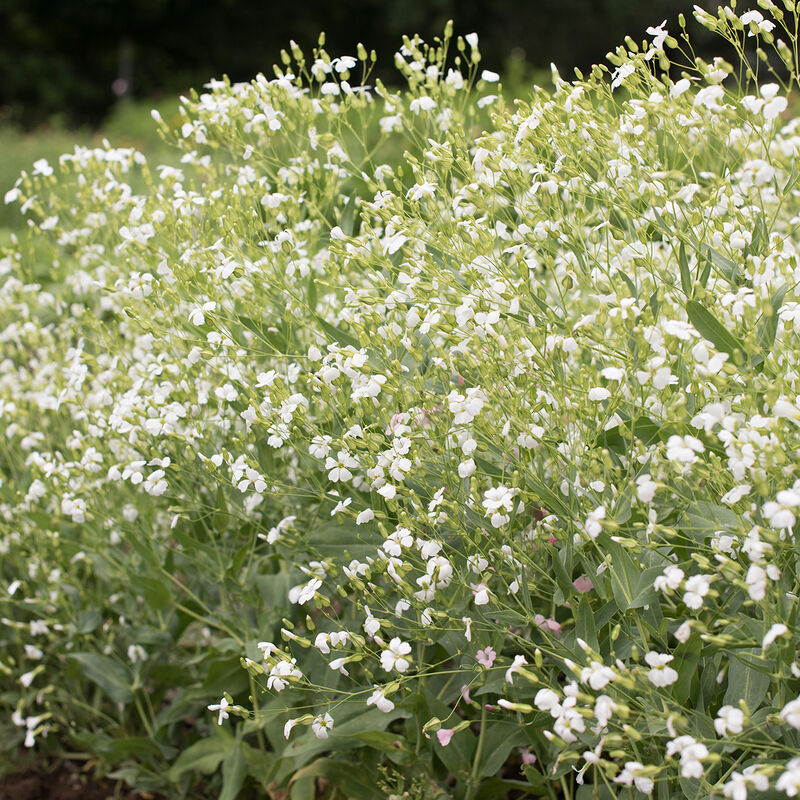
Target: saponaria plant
point(470, 431)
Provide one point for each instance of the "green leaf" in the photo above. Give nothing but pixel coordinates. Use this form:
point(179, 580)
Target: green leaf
point(683, 265)
point(746, 683)
point(347, 219)
point(712, 329)
point(274, 588)
point(722, 264)
point(691, 787)
point(632, 587)
point(260, 764)
point(687, 658)
point(352, 782)
point(337, 334)
point(499, 739)
point(204, 756)
point(768, 326)
point(701, 520)
point(155, 592)
point(303, 787)
point(706, 273)
point(459, 754)
point(334, 538)
point(563, 579)
point(111, 676)
point(234, 771)
point(312, 293)
point(591, 791)
point(585, 624)
point(88, 620)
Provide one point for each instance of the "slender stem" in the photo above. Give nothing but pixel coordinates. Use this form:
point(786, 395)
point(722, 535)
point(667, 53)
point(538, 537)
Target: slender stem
point(476, 764)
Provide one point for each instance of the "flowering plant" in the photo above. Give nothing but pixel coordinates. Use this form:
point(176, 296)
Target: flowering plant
point(475, 463)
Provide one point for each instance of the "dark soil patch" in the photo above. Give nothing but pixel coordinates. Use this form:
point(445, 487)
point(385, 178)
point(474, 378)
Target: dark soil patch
point(64, 782)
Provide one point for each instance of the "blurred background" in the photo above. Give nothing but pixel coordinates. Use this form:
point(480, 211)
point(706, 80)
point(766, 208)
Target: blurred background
point(72, 71)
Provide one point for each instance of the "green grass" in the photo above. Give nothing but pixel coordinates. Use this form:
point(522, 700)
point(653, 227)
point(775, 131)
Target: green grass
point(128, 125)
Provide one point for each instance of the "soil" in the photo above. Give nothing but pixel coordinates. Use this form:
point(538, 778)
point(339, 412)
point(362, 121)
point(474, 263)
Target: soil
point(64, 782)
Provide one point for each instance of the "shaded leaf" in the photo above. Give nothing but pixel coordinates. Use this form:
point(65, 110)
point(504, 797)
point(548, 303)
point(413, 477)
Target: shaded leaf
point(204, 756)
point(111, 676)
point(712, 329)
point(746, 683)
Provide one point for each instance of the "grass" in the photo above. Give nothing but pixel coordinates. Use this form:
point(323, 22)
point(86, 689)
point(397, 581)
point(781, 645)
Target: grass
point(128, 125)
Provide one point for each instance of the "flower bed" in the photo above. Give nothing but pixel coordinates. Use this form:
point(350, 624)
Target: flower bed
point(416, 432)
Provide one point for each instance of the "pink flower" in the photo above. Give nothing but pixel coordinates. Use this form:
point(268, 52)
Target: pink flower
point(547, 624)
point(481, 593)
point(552, 540)
point(465, 694)
point(444, 735)
point(486, 657)
point(527, 756)
point(583, 584)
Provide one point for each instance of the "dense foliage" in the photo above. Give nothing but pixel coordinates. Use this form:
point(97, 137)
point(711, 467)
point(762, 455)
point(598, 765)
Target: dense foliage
point(61, 60)
point(474, 467)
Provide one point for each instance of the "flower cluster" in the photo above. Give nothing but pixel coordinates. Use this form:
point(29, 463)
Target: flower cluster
point(494, 440)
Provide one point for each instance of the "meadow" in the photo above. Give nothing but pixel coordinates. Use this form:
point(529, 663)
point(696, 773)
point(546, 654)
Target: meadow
point(415, 443)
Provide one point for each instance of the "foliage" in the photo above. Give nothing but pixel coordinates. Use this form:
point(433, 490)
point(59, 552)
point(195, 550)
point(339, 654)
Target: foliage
point(62, 60)
point(472, 467)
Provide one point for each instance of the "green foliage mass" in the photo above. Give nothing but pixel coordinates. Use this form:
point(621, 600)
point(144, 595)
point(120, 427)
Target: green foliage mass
point(413, 441)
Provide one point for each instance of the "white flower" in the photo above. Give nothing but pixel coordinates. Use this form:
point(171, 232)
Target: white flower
point(789, 781)
point(599, 393)
point(593, 525)
point(287, 728)
point(367, 515)
point(778, 629)
point(756, 580)
point(779, 512)
point(489, 76)
point(423, 103)
point(754, 20)
point(304, 592)
point(498, 503)
point(684, 449)
point(379, 699)
point(630, 775)
point(371, 624)
point(547, 700)
point(659, 34)
point(466, 468)
point(739, 782)
point(729, 720)
point(621, 73)
point(604, 708)
point(481, 594)
point(790, 713)
point(684, 631)
point(660, 675)
point(221, 707)
point(516, 666)
point(466, 407)
point(597, 675)
point(322, 725)
point(736, 494)
point(283, 673)
point(677, 89)
point(696, 589)
point(340, 466)
point(670, 580)
point(197, 316)
point(692, 754)
point(646, 488)
point(394, 657)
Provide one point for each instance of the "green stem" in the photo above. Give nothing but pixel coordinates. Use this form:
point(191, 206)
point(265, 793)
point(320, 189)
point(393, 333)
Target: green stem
point(476, 764)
